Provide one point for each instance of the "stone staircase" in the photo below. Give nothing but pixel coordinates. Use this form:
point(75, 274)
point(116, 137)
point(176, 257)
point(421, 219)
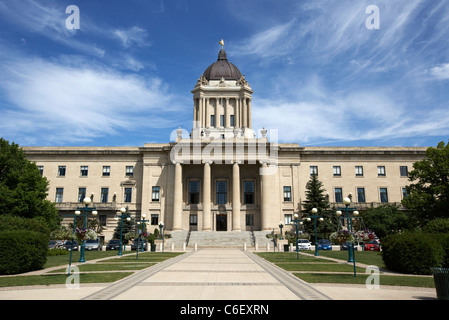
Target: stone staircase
point(220, 239)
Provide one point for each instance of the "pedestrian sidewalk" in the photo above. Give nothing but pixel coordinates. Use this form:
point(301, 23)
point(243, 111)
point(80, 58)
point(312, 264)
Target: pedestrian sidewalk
point(214, 274)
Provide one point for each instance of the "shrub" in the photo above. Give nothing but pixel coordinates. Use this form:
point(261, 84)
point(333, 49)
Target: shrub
point(413, 253)
point(22, 251)
point(438, 225)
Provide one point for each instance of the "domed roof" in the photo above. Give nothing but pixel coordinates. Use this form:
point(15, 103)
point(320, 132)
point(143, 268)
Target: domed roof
point(222, 69)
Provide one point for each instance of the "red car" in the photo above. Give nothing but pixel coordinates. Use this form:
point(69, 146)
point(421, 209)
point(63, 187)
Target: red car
point(372, 245)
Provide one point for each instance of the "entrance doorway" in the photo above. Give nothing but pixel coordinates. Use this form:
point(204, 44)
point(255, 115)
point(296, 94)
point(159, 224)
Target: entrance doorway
point(222, 222)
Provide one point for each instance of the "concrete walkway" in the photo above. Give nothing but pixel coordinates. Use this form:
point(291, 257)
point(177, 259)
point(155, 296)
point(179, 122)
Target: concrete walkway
point(213, 274)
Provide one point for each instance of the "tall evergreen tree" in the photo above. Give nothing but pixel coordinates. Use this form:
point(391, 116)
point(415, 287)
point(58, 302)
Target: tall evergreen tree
point(316, 197)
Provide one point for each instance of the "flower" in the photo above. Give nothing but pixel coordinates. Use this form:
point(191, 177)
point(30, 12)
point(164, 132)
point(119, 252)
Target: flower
point(365, 235)
point(85, 234)
point(341, 236)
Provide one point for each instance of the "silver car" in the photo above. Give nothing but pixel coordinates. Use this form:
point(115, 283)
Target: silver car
point(93, 245)
point(304, 244)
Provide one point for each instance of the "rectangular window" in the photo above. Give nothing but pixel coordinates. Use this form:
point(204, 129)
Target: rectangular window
point(287, 219)
point(194, 192)
point(59, 194)
point(337, 171)
point(155, 193)
point(81, 194)
point(222, 120)
point(383, 195)
point(154, 219)
point(359, 171)
point(381, 171)
point(129, 171)
point(249, 219)
point(313, 170)
point(232, 120)
point(41, 170)
point(128, 194)
point(193, 219)
point(104, 195)
point(221, 192)
point(61, 171)
point(361, 195)
point(212, 120)
point(404, 193)
point(84, 171)
point(287, 193)
point(404, 171)
point(106, 171)
point(248, 192)
point(338, 195)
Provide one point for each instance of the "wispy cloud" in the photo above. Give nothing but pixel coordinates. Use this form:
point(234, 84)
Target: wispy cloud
point(134, 36)
point(59, 102)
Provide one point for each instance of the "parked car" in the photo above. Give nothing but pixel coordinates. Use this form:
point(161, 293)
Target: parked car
point(68, 245)
point(324, 244)
point(304, 244)
point(344, 246)
point(372, 245)
point(51, 244)
point(135, 244)
point(113, 244)
point(94, 245)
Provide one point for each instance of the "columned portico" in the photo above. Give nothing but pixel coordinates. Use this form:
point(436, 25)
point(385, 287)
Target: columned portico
point(177, 199)
point(265, 196)
point(236, 197)
point(206, 197)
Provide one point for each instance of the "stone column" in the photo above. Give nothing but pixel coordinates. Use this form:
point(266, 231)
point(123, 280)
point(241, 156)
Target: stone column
point(206, 113)
point(195, 112)
point(177, 199)
point(265, 196)
point(206, 197)
point(146, 189)
point(236, 197)
point(249, 113)
point(245, 114)
point(200, 112)
point(226, 116)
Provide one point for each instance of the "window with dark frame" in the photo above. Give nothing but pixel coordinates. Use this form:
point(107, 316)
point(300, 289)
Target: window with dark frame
point(59, 195)
point(129, 171)
point(81, 194)
point(154, 219)
point(361, 195)
point(128, 194)
point(383, 195)
point(359, 171)
point(106, 171)
point(403, 171)
point(248, 192)
point(61, 171)
point(338, 195)
point(337, 171)
point(104, 195)
point(155, 193)
point(250, 219)
point(221, 192)
point(314, 170)
point(193, 219)
point(84, 171)
point(194, 192)
point(287, 193)
point(381, 171)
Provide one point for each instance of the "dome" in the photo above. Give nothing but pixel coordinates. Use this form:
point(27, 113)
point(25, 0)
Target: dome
point(222, 69)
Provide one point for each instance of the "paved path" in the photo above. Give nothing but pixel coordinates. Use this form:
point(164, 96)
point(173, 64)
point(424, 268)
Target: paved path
point(213, 274)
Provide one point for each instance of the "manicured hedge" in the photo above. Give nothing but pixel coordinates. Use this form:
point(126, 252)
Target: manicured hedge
point(22, 251)
point(413, 253)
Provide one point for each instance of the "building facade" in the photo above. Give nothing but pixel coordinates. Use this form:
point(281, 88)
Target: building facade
point(224, 177)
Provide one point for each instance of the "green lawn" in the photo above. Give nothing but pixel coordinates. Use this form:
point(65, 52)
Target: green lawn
point(340, 271)
point(122, 265)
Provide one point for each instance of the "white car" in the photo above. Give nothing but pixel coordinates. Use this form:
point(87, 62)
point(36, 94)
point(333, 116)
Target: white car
point(304, 244)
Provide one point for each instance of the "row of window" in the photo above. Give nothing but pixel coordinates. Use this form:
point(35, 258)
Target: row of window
point(222, 120)
point(381, 172)
point(221, 195)
point(84, 171)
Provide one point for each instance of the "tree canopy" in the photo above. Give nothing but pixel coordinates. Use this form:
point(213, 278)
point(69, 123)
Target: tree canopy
point(428, 194)
point(23, 190)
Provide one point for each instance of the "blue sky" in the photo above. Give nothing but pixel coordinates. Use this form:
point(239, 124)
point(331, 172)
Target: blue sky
point(320, 76)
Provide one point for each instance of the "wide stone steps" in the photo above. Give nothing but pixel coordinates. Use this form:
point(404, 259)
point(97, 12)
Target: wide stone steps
point(220, 239)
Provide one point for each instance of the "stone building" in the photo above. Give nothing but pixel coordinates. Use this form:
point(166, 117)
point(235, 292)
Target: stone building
point(225, 176)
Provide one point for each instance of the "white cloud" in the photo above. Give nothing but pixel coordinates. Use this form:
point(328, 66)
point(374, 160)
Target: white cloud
point(440, 72)
point(134, 36)
point(78, 102)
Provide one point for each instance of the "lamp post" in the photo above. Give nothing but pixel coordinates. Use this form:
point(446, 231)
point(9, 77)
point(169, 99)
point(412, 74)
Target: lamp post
point(142, 222)
point(161, 228)
point(315, 216)
point(281, 225)
point(77, 213)
point(347, 202)
point(86, 209)
point(296, 221)
point(123, 215)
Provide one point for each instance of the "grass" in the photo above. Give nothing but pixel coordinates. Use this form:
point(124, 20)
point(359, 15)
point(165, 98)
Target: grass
point(115, 268)
point(327, 271)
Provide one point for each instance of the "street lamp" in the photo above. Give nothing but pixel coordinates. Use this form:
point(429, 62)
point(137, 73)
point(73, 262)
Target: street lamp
point(123, 215)
point(347, 202)
point(86, 209)
point(296, 221)
point(315, 216)
point(142, 222)
point(161, 228)
point(281, 225)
